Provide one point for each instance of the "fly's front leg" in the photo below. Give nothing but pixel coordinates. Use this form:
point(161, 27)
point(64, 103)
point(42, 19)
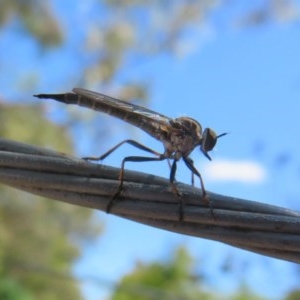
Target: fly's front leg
point(121, 176)
point(189, 163)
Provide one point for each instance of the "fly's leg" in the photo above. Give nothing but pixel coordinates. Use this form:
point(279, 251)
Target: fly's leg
point(131, 142)
point(193, 175)
point(175, 189)
point(139, 159)
point(189, 163)
point(129, 158)
point(121, 176)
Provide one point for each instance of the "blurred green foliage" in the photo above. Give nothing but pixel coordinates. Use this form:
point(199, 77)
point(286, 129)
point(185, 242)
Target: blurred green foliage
point(39, 239)
point(173, 279)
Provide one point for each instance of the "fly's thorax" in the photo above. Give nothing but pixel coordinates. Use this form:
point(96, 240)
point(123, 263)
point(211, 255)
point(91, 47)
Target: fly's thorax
point(189, 126)
point(185, 134)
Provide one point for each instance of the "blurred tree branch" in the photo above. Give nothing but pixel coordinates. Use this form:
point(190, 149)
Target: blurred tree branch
point(37, 18)
point(257, 227)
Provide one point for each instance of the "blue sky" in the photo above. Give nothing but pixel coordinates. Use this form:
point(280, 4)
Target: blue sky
point(245, 82)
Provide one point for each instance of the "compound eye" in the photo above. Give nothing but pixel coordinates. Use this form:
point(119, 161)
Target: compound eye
point(209, 140)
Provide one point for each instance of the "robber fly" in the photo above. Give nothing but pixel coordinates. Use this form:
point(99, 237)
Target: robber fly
point(180, 136)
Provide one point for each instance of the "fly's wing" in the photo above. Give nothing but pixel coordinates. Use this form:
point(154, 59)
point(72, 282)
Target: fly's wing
point(150, 121)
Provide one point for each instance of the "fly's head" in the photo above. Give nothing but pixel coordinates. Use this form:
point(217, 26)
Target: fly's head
point(209, 140)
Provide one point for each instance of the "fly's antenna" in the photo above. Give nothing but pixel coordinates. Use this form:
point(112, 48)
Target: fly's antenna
point(222, 134)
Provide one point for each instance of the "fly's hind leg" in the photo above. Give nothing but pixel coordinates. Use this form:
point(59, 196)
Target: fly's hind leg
point(121, 176)
point(131, 142)
point(129, 158)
